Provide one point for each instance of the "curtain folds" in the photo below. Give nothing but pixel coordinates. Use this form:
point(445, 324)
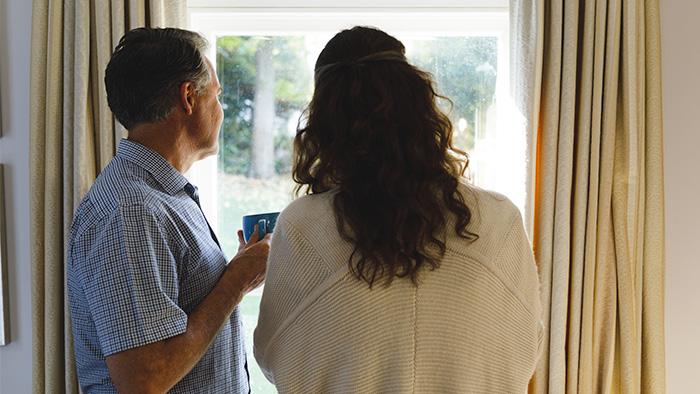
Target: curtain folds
point(592, 95)
point(72, 137)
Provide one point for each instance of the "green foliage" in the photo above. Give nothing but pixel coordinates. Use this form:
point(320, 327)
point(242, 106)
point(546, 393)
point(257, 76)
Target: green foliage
point(464, 70)
point(237, 72)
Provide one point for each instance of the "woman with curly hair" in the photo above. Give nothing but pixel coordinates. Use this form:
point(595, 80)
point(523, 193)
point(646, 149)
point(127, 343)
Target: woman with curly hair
point(391, 273)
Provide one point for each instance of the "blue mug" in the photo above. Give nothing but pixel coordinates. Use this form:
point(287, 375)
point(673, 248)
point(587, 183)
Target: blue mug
point(265, 221)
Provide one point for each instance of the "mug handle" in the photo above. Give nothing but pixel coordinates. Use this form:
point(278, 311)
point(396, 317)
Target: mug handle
point(262, 228)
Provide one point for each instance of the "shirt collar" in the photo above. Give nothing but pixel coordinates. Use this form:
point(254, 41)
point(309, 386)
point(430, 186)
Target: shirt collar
point(162, 171)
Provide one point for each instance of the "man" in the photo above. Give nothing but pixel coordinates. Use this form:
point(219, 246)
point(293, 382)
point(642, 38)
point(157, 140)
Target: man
point(153, 300)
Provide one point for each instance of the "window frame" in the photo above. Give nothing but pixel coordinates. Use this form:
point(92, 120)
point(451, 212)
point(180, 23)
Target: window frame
point(213, 18)
point(392, 5)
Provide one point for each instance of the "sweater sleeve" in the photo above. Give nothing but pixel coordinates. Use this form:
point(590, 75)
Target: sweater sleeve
point(294, 270)
point(271, 306)
point(517, 262)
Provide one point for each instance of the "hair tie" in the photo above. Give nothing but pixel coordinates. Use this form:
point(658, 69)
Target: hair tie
point(371, 58)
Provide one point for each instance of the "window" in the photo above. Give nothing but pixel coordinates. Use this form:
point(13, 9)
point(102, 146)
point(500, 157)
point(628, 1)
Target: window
point(264, 54)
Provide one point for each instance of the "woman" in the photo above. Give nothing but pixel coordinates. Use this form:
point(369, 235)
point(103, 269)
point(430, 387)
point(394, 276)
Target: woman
point(392, 274)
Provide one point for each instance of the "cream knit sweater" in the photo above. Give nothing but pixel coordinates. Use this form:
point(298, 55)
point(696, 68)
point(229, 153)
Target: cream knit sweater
point(471, 326)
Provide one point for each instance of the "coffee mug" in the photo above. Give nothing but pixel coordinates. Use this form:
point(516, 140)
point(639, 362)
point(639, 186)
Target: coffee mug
point(265, 221)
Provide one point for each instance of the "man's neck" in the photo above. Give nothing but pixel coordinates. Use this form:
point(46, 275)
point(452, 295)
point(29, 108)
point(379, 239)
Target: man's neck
point(168, 141)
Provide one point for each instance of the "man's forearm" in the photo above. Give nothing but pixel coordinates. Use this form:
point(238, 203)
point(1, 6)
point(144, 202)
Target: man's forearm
point(157, 367)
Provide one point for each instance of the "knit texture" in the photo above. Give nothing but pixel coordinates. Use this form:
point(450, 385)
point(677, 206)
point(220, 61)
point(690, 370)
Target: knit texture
point(473, 325)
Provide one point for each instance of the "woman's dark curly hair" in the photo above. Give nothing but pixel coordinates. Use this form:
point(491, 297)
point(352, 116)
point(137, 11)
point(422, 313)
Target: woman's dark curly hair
point(375, 135)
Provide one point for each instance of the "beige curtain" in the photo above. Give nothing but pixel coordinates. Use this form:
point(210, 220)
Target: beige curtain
point(73, 135)
point(592, 96)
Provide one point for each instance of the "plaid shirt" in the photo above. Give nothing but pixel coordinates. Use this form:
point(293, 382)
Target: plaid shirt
point(141, 257)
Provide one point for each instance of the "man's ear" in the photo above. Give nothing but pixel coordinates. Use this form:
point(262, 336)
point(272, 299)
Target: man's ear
point(187, 97)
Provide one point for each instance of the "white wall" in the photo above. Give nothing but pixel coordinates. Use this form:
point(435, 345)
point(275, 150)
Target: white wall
point(681, 75)
point(15, 39)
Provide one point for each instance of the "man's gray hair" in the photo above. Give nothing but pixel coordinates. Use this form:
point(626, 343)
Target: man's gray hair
point(148, 66)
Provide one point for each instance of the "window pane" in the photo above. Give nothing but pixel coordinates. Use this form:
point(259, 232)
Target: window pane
point(268, 81)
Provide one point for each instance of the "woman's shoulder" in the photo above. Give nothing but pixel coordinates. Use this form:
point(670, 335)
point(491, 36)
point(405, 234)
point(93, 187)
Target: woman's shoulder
point(309, 214)
point(489, 208)
point(307, 206)
point(494, 218)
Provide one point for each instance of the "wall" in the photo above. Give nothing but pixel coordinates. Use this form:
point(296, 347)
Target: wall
point(681, 76)
point(15, 39)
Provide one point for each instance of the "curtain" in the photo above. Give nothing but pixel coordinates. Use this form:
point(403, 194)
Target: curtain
point(72, 137)
point(590, 89)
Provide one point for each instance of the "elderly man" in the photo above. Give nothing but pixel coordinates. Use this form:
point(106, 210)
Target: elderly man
point(153, 299)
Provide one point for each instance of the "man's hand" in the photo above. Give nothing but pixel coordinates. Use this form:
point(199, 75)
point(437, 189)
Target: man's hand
point(250, 263)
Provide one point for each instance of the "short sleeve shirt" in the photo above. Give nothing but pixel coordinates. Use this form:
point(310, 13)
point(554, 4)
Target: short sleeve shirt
point(140, 259)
